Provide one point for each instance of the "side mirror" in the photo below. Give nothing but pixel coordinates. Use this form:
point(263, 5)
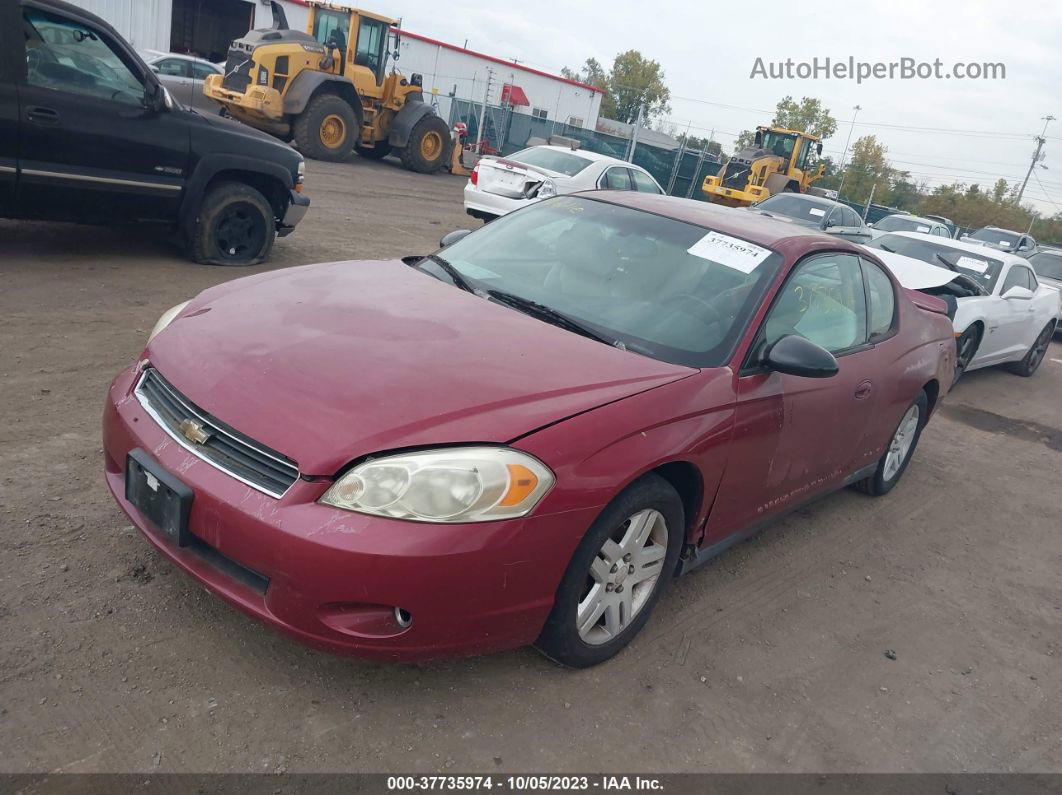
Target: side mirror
point(1018, 293)
point(796, 355)
point(818, 148)
point(759, 139)
point(155, 68)
point(452, 237)
point(870, 225)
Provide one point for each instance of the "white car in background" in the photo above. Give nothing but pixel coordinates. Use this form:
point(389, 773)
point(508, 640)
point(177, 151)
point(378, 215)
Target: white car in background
point(900, 222)
point(499, 185)
point(183, 76)
point(1001, 312)
point(1047, 262)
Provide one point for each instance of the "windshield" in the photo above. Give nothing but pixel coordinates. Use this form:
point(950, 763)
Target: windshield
point(1047, 265)
point(984, 270)
point(997, 237)
point(779, 144)
point(799, 207)
point(551, 160)
point(902, 223)
point(660, 287)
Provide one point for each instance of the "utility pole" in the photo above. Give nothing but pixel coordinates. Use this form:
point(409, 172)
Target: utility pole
point(483, 110)
point(844, 157)
point(870, 199)
point(634, 134)
point(1040, 141)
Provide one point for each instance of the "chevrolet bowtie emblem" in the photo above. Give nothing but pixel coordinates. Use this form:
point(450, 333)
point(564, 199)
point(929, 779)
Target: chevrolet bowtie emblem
point(193, 432)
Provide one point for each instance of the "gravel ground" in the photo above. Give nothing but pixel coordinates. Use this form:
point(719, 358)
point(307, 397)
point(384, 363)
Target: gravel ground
point(772, 658)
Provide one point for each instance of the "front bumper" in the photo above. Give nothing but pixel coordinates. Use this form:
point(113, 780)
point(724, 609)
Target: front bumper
point(260, 103)
point(332, 578)
point(733, 196)
point(297, 208)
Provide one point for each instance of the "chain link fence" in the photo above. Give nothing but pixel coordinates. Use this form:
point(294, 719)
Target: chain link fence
point(680, 171)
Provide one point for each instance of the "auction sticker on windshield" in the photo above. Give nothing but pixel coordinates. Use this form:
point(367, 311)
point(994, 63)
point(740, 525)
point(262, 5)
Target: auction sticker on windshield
point(976, 265)
point(729, 251)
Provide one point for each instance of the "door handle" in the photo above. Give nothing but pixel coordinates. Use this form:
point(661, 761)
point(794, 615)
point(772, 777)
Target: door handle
point(863, 391)
point(41, 115)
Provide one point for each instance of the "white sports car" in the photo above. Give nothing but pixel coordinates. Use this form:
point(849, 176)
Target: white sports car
point(1002, 314)
point(499, 185)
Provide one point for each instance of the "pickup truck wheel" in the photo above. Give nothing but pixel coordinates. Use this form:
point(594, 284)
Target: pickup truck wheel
point(1031, 363)
point(327, 129)
point(378, 152)
point(428, 147)
point(235, 226)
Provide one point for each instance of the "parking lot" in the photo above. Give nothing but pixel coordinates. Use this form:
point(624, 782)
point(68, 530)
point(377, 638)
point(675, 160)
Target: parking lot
point(771, 658)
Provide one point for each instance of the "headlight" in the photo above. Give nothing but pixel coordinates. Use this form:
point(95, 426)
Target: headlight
point(167, 318)
point(462, 484)
point(547, 188)
point(301, 173)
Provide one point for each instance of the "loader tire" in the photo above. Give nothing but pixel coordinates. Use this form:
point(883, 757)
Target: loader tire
point(428, 147)
point(327, 129)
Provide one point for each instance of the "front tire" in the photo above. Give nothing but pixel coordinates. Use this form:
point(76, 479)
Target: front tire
point(428, 147)
point(327, 129)
point(618, 572)
point(1031, 363)
point(893, 463)
point(235, 225)
point(965, 349)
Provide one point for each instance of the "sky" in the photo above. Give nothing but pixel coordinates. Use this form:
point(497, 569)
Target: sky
point(981, 130)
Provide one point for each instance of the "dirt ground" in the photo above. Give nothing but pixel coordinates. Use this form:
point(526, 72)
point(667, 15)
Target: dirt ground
point(772, 658)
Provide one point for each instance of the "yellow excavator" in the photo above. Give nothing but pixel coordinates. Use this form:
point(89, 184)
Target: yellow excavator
point(329, 89)
point(778, 161)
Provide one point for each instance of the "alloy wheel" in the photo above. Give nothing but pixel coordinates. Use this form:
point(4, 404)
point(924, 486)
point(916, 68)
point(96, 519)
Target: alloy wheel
point(902, 441)
point(622, 577)
point(240, 231)
point(1043, 342)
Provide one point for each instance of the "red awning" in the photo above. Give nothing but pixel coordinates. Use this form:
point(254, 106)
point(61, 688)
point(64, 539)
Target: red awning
point(514, 95)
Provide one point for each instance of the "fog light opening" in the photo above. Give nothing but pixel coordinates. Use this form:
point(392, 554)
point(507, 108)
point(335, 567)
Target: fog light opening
point(403, 617)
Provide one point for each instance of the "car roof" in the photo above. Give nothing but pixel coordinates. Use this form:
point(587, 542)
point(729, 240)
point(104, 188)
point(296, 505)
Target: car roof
point(737, 221)
point(595, 157)
point(961, 245)
point(909, 217)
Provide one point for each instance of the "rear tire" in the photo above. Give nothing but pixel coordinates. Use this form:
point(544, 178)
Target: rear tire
point(326, 129)
point(235, 225)
point(378, 152)
point(624, 563)
point(428, 147)
point(1031, 363)
point(900, 450)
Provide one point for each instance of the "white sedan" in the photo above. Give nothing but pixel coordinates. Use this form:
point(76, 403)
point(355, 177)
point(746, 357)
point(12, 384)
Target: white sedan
point(1002, 314)
point(499, 185)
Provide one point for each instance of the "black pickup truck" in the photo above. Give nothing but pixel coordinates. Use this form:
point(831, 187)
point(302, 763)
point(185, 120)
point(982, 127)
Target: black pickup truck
point(88, 134)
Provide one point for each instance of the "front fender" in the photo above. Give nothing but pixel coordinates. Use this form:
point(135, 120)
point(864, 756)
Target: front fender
point(209, 166)
point(413, 111)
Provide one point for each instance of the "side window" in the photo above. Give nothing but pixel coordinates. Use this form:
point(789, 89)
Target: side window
point(881, 299)
point(1016, 277)
point(616, 179)
point(643, 183)
point(66, 56)
point(1028, 280)
point(371, 35)
point(173, 67)
point(201, 71)
point(851, 217)
point(823, 300)
point(940, 231)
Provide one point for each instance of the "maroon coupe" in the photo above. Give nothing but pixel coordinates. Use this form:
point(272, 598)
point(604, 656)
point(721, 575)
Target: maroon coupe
point(524, 437)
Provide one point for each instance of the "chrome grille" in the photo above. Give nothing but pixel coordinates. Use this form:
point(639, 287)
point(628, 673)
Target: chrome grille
point(227, 449)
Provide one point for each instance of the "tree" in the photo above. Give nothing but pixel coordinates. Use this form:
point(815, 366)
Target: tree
point(592, 74)
point(999, 191)
point(866, 168)
point(635, 82)
point(807, 116)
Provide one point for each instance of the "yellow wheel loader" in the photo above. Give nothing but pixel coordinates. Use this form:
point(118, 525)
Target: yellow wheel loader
point(778, 161)
point(329, 90)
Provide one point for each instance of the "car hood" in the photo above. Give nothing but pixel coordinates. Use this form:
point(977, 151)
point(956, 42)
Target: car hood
point(326, 363)
point(913, 273)
point(806, 223)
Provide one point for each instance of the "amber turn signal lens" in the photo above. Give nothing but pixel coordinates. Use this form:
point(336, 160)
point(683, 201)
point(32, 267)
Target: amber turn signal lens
point(522, 481)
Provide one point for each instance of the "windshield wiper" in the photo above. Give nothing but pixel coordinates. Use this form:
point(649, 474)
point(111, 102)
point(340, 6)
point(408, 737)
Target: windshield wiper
point(883, 247)
point(951, 265)
point(551, 315)
point(460, 281)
